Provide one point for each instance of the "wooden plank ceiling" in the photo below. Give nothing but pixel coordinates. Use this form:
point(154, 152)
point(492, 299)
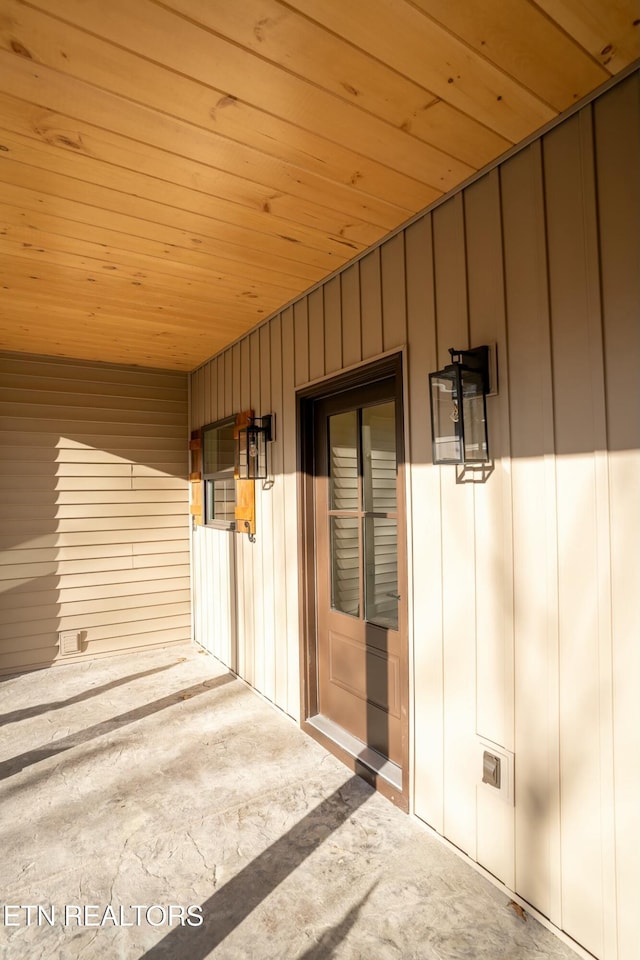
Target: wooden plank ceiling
point(173, 171)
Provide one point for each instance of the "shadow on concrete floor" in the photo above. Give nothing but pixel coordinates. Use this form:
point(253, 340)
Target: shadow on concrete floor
point(9, 768)
point(194, 792)
point(26, 713)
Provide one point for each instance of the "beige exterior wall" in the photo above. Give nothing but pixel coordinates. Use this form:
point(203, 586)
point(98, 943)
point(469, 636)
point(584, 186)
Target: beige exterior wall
point(525, 600)
point(94, 533)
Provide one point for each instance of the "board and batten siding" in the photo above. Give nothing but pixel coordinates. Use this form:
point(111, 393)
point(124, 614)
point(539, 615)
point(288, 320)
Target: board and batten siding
point(524, 589)
point(94, 516)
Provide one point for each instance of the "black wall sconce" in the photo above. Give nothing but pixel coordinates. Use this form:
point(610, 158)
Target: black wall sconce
point(459, 408)
point(252, 448)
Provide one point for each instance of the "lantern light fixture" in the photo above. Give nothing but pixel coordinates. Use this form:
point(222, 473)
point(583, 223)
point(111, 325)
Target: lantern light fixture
point(458, 396)
point(252, 461)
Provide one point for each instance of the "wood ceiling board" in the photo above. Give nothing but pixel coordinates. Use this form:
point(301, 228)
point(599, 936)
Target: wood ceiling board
point(70, 136)
point(181, 141)
point(226, 215)
point(150, 355)
point(457, 133)
point(362, 185)
point(104, 332)
point(278, 34)
point(56, 280)
point(608, 30)
point(43, 284)
point(45, 297)
point(74, 135)
point(521, 40)
point(184, 47)
point(100, 342)
point(275, 32)
point(135, 227)
point(405, 39)
point(166, 256)
point(62, 253)
point(282, 37)
point(187, 282)
point(240, 242)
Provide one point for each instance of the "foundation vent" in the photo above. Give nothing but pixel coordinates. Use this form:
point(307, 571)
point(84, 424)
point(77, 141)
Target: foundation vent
point(69, 642)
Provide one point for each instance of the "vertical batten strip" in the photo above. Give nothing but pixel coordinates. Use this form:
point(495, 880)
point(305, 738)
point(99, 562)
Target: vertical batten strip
point(576, 537)
point(602, 526)
point(538, 870)
point(243, 401)
point(197, 399)
point(332, 326)
point(228, 383)
point(213, 399)
point(394, 298)
point(206, 392)
point(243, 585)
point(301, 341)
point(550, 513)
point(458, 583)
point(252, 558)
point(492, 511)
point(279, 555)
point(617, 154)
point(220, 385)
point(351, 319)
point(316, 334)
point(371, 304)
point(290, 468)
point(266, 497)
point(236, 379)
point(426, 521)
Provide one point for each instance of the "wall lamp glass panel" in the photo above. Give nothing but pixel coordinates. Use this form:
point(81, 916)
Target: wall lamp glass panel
point(252, 449)
point(458, 396)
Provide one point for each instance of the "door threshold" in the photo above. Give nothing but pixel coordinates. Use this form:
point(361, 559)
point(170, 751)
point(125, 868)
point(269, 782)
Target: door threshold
point(381, 766)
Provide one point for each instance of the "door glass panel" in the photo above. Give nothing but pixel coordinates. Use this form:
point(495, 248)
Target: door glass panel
point(381, 577)
point(345, 565)
point(343, 461)
point(379, 457)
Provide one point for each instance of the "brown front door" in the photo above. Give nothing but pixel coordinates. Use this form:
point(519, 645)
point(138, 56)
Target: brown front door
point(361, 653)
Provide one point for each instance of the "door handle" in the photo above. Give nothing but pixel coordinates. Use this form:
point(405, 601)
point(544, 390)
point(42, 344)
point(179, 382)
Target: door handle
point(396, 596)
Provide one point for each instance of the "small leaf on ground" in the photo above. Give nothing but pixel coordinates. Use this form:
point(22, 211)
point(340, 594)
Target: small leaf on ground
point(517, 909)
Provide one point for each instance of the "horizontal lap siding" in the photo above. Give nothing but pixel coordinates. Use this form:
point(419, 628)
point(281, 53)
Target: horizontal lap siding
point(94, 533)
point(524, 588)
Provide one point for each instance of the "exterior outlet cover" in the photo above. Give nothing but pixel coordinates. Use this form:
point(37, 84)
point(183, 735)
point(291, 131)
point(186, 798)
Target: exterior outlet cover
point(69, 642)
point(495, 770)
point(491, 769)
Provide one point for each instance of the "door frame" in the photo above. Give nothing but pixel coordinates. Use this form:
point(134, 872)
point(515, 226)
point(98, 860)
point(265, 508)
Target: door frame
point(363, 375)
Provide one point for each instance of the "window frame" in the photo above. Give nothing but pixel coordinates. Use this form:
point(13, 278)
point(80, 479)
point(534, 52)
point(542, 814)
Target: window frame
point(210, 477)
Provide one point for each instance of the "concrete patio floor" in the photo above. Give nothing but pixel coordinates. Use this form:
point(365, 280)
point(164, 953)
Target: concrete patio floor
point(159, 781)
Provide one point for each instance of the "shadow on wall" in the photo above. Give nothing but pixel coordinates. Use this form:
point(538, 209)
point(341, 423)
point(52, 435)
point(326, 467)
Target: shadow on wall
point(94, 532)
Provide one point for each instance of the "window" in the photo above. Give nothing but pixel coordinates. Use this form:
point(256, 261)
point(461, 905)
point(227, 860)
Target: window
point(217, 474)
